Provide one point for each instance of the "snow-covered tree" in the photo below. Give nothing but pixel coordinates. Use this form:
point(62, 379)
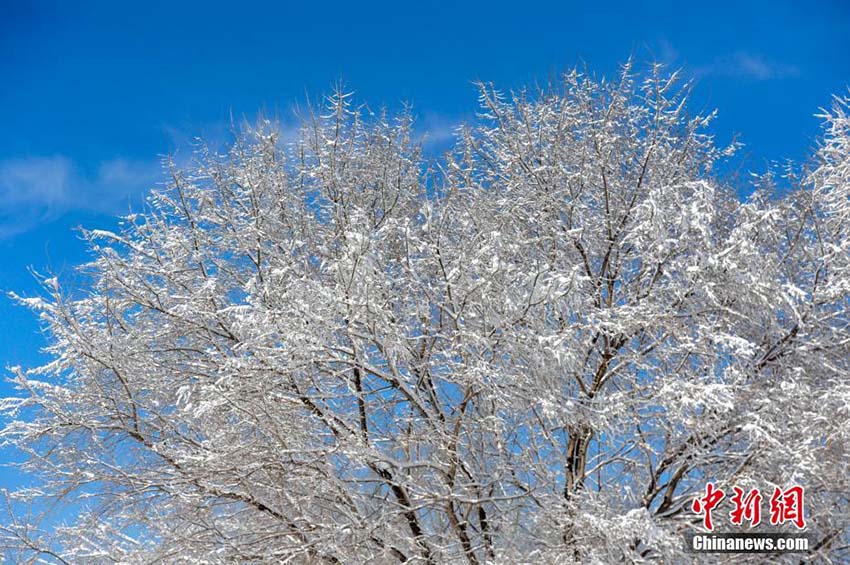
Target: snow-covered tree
point(539, 348)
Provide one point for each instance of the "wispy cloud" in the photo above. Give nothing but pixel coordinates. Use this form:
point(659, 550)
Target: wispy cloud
point(35, 190)
point(438, 132)
point(661, 51)
point(752, 66)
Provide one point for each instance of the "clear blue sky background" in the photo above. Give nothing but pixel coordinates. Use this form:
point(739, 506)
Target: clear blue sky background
point(91, 94)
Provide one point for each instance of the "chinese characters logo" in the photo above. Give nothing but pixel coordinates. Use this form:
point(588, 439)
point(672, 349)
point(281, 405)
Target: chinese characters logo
point(784, 505)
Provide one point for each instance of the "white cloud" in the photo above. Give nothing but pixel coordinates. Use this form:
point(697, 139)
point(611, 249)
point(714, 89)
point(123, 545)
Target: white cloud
point(437, 132)
point(747, 65)
point(661, 51)
point(35, 182)
point(37, 190)
point(34, 190)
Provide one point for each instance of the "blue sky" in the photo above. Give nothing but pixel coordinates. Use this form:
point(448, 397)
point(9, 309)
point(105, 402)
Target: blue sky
point(92, 94)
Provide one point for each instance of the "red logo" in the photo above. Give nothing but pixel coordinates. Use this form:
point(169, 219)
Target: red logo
point(705, 504)
point(785, 506)
point(746, 507)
